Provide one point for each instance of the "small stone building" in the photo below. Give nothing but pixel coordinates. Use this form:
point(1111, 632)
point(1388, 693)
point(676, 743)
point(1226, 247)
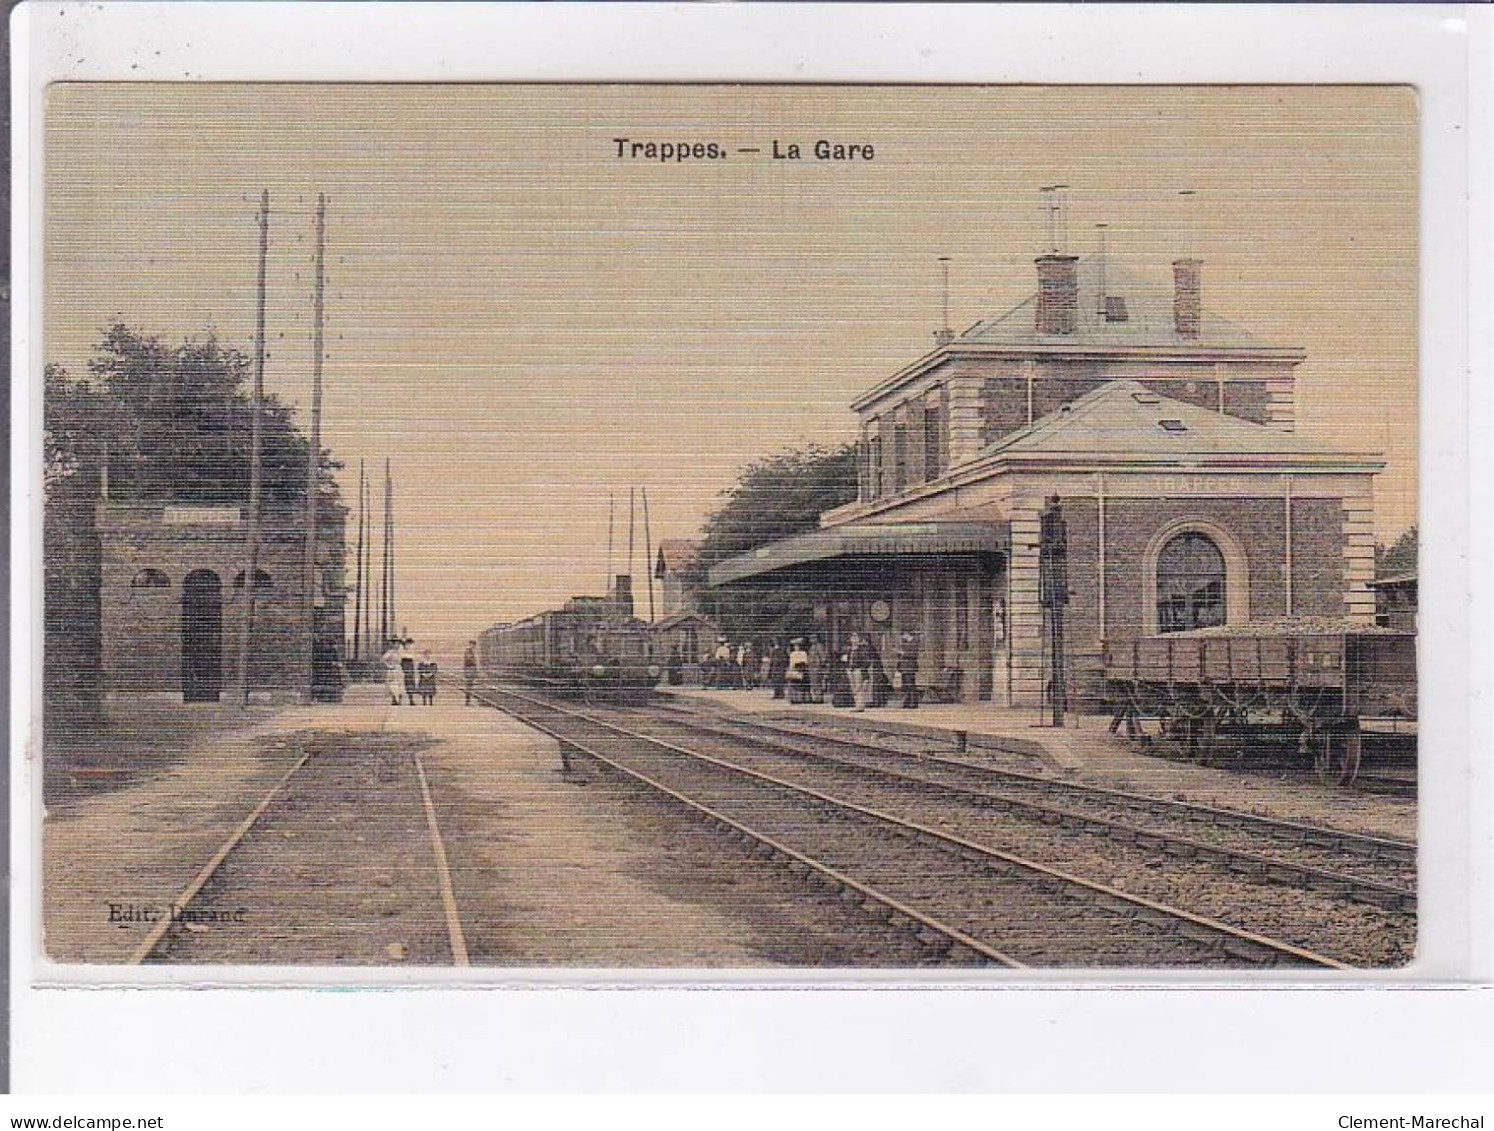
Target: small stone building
point(1165, 434)
point(173, 602)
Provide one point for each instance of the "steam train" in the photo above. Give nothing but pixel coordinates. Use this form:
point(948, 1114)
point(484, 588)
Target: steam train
point(592, 649)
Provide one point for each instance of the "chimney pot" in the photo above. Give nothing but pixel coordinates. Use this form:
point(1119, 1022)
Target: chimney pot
point(1058, 294)
point(622, 595)
point(1187, 299)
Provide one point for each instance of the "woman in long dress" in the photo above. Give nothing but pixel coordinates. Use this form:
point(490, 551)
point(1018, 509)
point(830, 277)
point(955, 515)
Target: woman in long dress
point(394, 674)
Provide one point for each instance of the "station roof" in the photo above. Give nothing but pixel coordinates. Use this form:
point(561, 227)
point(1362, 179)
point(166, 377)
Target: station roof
point(1131, 312)
point(867, 544)
point(1125, 421)
point(675, 555)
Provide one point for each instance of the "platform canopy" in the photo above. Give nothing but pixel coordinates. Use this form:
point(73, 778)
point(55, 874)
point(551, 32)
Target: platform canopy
point(856, 546)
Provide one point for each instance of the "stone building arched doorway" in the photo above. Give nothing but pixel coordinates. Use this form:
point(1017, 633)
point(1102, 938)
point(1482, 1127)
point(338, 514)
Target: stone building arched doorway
point(202, 637)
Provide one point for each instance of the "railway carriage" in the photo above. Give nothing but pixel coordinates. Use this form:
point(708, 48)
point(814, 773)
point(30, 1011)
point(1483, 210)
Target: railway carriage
point(584, 650)
point(1222, 691)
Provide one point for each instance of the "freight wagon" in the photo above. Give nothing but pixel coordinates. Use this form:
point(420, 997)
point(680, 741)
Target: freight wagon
point(1230, 691)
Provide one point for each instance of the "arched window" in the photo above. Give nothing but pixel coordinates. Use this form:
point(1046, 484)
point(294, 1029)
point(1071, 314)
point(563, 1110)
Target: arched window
point(261, 580)
point(1190, 584)
point(150, 579)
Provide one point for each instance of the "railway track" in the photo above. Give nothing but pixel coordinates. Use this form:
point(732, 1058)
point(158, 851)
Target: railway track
point(982, 903)
point(252, 861)
point(1378, 871)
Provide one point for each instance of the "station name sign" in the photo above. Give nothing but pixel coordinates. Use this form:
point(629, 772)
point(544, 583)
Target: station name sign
point(202, 516)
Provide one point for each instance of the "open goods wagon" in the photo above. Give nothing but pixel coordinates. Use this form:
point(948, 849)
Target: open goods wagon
point(1225, 691)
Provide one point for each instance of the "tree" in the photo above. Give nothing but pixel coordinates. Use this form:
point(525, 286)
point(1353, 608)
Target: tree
point(776, 497)
point(174, 426)
point(1400, 557)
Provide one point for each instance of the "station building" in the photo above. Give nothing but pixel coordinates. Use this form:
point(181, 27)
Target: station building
point(1167, 437)
point(172, 601)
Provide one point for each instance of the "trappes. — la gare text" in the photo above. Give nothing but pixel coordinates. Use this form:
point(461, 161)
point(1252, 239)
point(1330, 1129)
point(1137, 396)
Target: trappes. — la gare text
point(778, 149)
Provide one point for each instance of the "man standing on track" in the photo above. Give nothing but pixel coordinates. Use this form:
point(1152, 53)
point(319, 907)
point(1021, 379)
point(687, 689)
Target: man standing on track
point(469, 671)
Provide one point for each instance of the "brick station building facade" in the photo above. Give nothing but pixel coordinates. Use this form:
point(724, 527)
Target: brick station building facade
point(1168, 437)
point(172, 602)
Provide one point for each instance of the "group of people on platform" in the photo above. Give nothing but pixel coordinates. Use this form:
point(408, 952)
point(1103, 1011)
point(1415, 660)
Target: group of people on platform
point(805, 671)
point(408, 678)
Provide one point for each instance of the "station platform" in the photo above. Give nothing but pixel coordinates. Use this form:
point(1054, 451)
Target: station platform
point(1084, 751)
point(1079, 743)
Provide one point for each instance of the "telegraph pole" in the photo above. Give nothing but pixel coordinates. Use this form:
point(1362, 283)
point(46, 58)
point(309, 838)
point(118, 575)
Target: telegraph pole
point(251, 570)
point(389, 547)
point(314, 456)
point(369, 645)
point(611, 508)
point(648, 558)
point(358, 575)
point(632, 492)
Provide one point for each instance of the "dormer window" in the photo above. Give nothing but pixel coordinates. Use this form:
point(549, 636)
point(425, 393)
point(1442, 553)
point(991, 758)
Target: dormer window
point(1171, 425)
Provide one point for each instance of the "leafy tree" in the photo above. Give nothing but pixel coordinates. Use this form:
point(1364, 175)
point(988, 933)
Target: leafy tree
point(776, 497)
point(174, 426)
point(1400, 557)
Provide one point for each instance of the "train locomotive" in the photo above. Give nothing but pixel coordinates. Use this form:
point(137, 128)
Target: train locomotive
point(592, 649)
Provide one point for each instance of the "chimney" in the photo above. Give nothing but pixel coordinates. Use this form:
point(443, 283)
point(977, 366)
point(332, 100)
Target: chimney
point(944, 335)
point(1058, 294)
point(1187, 299)
point(622, 596)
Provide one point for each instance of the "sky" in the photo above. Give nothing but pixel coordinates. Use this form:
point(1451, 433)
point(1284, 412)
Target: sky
point(523, 322)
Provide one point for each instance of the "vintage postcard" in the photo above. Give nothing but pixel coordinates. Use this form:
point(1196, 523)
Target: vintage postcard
point(949, 529)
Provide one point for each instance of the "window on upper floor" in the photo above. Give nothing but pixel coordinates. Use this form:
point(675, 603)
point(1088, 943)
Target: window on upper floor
point(933, 442)
point(873, 465)
point(150, 579)
point(899, 456)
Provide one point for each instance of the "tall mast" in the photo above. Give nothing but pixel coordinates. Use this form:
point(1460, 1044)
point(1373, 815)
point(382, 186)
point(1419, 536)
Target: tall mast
point(251, 569)
point(611, 507)
point(314, 454)
point(368, 636)
point(389, 547)
point(648, 558)
point(358, 575)
point(385, 632)
point(629, 570)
